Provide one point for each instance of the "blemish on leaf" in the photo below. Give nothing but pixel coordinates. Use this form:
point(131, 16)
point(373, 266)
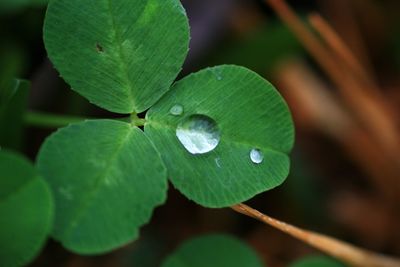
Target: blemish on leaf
point(99, 48)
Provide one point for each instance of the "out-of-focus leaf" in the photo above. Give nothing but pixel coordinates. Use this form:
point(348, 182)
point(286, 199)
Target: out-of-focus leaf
point(15, 5)
point(26, 210)
point(213, 250)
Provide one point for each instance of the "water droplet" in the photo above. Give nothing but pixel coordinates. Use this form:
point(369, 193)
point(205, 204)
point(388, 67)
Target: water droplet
point(199, 134)
point(66, 192)
point(218, 74)
point(256, 156)
point(218, 162)
point(176, 110)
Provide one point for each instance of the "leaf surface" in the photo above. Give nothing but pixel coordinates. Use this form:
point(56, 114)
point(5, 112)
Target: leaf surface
point(121, 55)
point(249, 113)
point(26, 210)
point(107, 178)
point(213, 250)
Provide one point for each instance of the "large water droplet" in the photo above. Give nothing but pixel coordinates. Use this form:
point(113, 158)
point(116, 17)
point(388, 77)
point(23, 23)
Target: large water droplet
point(176, 110)
point(256, 156)
point(199, 134)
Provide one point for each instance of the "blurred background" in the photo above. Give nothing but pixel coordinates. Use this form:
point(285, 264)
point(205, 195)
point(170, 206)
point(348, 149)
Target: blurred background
point(341, 80)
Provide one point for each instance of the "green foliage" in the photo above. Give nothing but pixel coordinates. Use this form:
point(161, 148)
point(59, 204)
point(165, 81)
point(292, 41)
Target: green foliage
point(107, 178)
point(26, 210)
point(13, 102)
point(123, 56)
point(213, 250)
point(14, 5)
point(11, 64)
point(317, 261)
point(249, 113)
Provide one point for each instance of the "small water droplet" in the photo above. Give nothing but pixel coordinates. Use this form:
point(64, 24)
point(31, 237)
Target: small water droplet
point(176, 110)
point(199, 134)
point(66, 192)
point(256, 156)
point(218, 74)
point(218, 162)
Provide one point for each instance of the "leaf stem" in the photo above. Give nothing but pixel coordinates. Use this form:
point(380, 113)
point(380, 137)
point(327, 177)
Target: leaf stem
point(136, 121)
point(46, 120)
point(340, 48)
point(343, 251)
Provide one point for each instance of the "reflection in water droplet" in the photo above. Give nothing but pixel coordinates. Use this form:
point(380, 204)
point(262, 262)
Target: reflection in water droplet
point(176, 110)
point(199, 134)
point(256, 156)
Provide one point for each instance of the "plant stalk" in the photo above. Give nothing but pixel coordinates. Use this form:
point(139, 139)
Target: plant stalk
point(47, 120)
point(136, 121)
point(338, 249)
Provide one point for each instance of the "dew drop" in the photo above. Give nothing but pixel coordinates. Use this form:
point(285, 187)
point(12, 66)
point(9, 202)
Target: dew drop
point(66, 192)
point(218, 74)
point(176, 110)
point(199, 134)
point(218, 162)
point(256, 156)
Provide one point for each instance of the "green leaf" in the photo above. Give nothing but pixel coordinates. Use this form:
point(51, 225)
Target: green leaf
point(14, 5)
point(213, 250)
point(13, 103)
point(121, 55)
point(317, 261)
point(250, 114)
point(107, 178)
point(26, 210)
